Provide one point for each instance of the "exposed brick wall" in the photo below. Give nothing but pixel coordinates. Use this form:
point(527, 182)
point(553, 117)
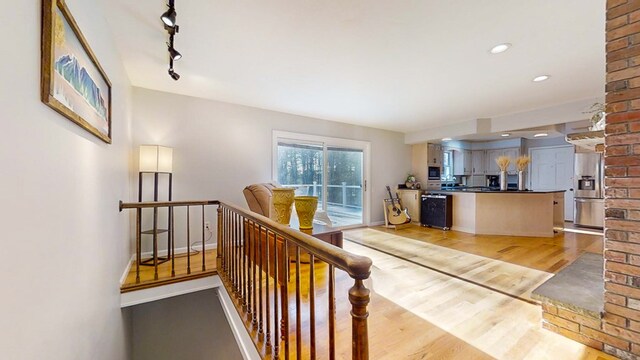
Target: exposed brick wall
point(622, 162)
point(581, 328)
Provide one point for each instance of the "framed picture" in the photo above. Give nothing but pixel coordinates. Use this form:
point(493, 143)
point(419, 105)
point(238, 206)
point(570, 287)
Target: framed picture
point(72, 81)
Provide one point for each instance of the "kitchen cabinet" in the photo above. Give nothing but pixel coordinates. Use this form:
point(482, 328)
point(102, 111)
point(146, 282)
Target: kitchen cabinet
point(492, 155)
point(410, 199)
point(462, 162)
point(478, 163)
point(434, 152)
point(513, 153)
point(492, 167)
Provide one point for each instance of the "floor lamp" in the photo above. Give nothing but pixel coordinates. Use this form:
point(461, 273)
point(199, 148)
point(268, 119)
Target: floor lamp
point(156, 160)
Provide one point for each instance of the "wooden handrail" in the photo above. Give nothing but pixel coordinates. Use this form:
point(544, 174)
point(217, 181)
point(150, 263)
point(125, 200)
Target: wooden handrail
point(159, 204)
point(358, 267)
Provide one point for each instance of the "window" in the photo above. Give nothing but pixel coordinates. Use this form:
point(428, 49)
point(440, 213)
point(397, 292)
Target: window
point(332, 169)
point(447, 165)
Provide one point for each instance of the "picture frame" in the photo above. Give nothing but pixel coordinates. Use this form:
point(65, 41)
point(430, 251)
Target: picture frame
point(72, 81)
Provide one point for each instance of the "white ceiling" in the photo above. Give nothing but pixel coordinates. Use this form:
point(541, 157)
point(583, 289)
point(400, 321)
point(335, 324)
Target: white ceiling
point(399, 65)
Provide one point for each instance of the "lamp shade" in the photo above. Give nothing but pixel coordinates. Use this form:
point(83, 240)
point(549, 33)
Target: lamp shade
point(156, 158)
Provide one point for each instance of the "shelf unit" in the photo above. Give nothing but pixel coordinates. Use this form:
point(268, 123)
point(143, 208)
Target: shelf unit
point(155, 231)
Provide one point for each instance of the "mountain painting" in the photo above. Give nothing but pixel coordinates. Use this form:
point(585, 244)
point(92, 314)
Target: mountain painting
point(77, 87)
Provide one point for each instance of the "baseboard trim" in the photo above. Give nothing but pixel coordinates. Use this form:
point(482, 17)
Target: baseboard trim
point(245, 343)
point(377, 223)
point(123, 278)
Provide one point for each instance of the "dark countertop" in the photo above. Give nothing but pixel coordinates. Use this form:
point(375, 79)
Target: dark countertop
point(490, 191)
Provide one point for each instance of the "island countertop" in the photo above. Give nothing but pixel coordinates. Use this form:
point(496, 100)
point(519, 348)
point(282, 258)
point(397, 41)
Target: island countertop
point(513, 213)
point(491, 191)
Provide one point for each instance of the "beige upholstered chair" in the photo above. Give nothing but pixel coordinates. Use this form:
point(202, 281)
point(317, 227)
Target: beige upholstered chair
point(258, 198)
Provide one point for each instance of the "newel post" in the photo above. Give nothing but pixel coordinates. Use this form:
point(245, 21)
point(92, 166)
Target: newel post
point(219, 244)
point(359, 298)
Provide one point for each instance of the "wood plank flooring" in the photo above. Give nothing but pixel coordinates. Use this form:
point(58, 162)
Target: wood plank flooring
point(444, 295)
point(164, 271)
point(478, 294)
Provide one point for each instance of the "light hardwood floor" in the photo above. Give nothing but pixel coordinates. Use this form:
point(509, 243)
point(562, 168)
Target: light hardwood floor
point(164, 271)
point(472, 291)
point(445, 295)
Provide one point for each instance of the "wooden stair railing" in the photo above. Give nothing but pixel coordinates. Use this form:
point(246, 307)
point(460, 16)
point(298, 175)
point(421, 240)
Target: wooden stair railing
point(258, 260)
point(188, 274)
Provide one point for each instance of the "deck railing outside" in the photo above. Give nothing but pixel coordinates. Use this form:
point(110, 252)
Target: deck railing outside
point(261, 266)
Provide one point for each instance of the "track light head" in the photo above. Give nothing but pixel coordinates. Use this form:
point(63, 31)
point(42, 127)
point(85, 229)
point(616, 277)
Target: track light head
point(169, 17)
point(174, 75)
point(175, 55)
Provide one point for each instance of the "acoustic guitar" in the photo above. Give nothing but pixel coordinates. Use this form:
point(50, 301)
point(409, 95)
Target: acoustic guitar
point(396, 215)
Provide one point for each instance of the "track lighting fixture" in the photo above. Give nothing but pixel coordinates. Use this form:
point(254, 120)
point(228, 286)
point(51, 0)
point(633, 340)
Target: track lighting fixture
point(175, 55)
point(169, 16)
point(169, 20)
point(174, 75)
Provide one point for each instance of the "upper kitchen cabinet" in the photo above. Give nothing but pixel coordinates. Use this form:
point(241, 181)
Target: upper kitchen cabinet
point(513, 154)
point(434, 152)
point(478, 163)
point(492, 155)
point(462, 162)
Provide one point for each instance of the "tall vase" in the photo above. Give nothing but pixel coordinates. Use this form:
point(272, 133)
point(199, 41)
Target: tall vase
point(282, 204)
point(306, 209)
point(503, 180)
point(521, 186)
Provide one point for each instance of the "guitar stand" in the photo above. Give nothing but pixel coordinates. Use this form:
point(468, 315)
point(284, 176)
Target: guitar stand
point(385, 202)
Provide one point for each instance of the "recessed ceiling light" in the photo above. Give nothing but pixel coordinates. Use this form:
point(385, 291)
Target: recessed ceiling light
point(541, 135)
point(505, 135)
point(541, 78)
point(500, 48)
point(446, 139)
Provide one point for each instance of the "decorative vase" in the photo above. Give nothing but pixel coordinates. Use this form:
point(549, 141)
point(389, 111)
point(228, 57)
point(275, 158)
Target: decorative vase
point(503, 180)
point(306, 208)
point(521, 181)
point(282, 202)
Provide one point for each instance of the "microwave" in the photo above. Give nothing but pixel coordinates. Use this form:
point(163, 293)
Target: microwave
point(433, 173)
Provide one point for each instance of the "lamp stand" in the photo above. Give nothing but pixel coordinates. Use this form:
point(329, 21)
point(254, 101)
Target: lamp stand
point(155, 231)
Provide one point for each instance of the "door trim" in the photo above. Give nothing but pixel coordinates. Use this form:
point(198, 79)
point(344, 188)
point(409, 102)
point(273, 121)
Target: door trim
point(365, 146)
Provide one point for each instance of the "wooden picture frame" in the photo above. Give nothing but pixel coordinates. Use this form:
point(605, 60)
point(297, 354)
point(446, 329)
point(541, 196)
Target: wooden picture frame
point(72, 81)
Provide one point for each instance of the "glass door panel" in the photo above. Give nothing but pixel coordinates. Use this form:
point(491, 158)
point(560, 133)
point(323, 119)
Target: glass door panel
point(344, 174)
point(301, 166)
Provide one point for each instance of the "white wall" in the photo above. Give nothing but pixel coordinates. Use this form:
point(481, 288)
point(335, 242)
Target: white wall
point(219, 148)
point(64, 244)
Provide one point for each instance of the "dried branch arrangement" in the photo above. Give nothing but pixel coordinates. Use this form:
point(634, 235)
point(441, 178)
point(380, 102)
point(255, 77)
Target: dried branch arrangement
point(522, 162)
point(503, 162)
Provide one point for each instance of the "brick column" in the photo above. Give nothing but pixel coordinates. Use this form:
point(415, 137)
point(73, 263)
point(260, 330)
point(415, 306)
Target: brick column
point(622, 179)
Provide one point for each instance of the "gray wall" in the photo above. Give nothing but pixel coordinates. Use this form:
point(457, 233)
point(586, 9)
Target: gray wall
point(219, 148)
point(186, 327)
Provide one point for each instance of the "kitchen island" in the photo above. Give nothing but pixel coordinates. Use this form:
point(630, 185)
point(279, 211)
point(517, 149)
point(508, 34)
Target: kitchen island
point(514, 213)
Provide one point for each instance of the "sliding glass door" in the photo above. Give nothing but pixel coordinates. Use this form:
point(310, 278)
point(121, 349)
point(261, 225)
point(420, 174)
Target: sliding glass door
point(334, 171)
point(345, 185)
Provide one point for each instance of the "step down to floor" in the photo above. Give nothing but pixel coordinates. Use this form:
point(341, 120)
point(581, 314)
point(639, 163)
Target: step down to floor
point(162, 292)
point(573, 302)
point(578, 287)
